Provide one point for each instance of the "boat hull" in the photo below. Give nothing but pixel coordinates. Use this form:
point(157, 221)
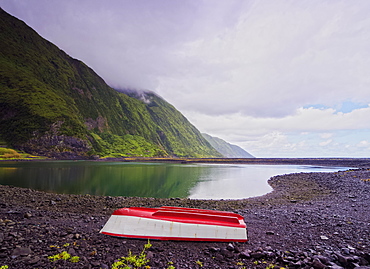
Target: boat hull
point(176, 225)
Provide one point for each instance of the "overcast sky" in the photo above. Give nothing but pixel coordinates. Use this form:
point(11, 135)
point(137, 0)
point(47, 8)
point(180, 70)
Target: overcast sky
point(280, 78)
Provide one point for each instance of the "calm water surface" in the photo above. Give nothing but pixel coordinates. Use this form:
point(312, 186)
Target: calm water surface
point(160, 180)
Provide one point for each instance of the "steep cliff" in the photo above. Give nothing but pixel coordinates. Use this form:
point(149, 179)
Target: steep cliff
point(54, 105)
point(226, 149)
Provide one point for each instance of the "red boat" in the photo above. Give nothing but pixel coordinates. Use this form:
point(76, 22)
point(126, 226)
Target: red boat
point(176, 223)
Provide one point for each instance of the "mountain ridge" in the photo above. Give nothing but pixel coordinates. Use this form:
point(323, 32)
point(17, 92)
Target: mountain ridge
point(54, 105)
point(226, 149)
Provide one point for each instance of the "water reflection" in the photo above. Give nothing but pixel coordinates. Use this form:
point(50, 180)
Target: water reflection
point(241, 181)
point(159, 180)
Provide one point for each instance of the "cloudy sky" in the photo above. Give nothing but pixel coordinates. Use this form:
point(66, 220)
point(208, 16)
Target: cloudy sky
point(280, 78)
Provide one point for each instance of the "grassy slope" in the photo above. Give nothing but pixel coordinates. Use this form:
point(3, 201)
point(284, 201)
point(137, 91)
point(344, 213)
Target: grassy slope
point(227, 149)
point(50, 102)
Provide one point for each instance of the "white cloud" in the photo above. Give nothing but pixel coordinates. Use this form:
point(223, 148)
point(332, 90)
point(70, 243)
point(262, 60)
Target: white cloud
point(364, 144)
point(303, 120)
point(279, 57)
point(325, 143)
point(307, 133)
point(326, 135)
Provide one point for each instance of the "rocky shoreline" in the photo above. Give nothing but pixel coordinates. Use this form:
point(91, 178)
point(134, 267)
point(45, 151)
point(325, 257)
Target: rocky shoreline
point(310, 220)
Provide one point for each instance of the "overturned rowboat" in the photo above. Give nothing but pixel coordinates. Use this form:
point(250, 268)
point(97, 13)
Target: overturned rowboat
point(176, 223)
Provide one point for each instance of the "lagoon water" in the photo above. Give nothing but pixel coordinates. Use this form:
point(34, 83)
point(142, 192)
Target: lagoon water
point(159, 180)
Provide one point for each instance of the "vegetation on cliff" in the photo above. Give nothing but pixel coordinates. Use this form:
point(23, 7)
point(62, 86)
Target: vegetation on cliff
point(54, 105)
point(226, 149)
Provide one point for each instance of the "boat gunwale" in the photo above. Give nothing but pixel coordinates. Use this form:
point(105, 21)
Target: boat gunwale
point(185, 215)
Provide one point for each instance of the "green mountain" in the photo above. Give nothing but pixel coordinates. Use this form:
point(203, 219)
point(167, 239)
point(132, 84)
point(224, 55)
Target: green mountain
point(226, 149)
point(54, 105)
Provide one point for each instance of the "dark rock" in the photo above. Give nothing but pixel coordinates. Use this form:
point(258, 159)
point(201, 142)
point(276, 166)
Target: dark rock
point(344, 260)
point(33, 260)
point(230, 247)
point(323, 259)
point(270, 254)
point(14, 234)
point(72, 251)
point(95, 264)
point(298, 264)
point(258, 255)
point(246, 254)
point(363, 261)
point(236, 249)
point(367, 257)
point(27, 215)
point(21, 251)
point(335, 266)
point(219, 257)
point(226, 253)
point(150, 254)
point(214, 249)
point(317, 264)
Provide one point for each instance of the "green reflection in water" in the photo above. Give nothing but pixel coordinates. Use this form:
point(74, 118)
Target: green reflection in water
point(159, 180)
point(104, 178)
